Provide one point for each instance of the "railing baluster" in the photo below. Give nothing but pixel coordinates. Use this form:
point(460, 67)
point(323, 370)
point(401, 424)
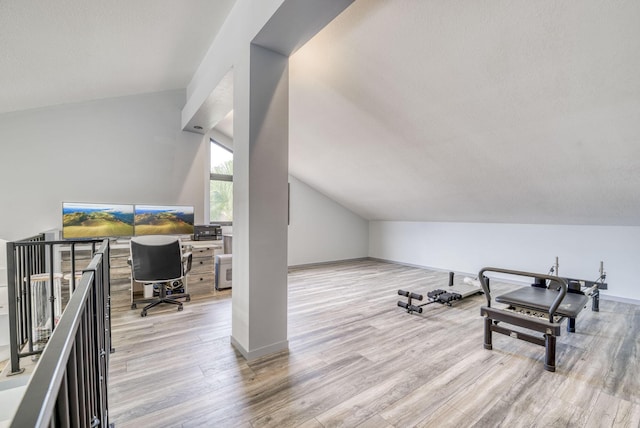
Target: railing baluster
point(52, 291)
point(72, 370)
point(13, 292)
point(69, 385)
point(62, 406)
point(73, 266)
point(29, 302)
point(82, 375)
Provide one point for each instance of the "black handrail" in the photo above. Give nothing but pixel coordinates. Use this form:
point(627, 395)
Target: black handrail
point(560, 281)
point(69, 385)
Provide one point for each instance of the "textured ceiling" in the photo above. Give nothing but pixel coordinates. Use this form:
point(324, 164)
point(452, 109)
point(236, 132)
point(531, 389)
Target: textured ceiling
point(420, 110)
point(62, 51)
point(473, 111)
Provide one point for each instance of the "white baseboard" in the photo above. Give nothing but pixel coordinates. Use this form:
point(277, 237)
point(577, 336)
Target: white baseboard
point(619, 299)
point(260, 352)
point(331, 262)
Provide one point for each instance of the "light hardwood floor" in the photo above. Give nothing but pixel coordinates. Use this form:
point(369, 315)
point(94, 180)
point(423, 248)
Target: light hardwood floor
point(356, 359)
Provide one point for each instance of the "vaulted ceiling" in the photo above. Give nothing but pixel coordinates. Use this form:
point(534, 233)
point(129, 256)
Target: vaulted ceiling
point(473, 111)
point(64, 51)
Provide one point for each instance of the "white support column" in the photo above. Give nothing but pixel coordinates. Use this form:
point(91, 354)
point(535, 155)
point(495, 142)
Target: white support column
point(256, 42)
point(260, 226)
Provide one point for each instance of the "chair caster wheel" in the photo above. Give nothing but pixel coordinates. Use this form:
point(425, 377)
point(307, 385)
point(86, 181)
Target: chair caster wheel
point(143, 314)
point(133, 306)
point(179, 308)
point(188, 299)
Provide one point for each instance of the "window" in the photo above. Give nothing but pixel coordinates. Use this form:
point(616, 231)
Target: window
point(221, 184)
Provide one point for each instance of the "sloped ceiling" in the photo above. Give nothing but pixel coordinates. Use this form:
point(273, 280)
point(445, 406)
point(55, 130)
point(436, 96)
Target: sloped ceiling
point(423, 110)
point(473, 111)
point(65, 51)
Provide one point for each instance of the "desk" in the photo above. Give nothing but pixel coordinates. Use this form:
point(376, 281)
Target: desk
point(118, 255)
point(200, 280)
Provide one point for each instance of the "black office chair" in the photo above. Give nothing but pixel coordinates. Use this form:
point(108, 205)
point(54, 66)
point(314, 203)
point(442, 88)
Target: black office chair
point(158, 260)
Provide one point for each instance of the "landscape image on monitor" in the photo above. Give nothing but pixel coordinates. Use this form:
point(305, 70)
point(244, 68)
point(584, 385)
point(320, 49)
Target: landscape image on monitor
point(163, 220)
point(84, 220)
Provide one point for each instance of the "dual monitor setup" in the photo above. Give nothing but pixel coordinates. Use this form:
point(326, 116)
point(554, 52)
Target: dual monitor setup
point(91, 220)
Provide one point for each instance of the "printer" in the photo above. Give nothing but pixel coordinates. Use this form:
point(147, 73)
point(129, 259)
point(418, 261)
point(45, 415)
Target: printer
point(207, 232)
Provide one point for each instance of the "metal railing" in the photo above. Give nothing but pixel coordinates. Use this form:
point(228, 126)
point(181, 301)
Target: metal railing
point(34, 283)
point(26, 259)
point(69, 385)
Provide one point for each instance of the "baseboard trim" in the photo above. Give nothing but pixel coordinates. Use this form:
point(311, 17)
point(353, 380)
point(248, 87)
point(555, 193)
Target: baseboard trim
point(260, 352)
point(619, 299)
point(330, 262)
point(395, 262)
point(503, 278)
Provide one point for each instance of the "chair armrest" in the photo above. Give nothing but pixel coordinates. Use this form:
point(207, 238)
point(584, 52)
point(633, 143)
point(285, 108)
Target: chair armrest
point(186, 262)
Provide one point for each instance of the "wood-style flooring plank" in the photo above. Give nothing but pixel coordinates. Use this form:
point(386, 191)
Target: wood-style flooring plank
point(355, 359)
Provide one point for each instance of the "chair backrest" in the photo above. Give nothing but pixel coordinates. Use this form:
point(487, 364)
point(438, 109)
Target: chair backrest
point(156, 258)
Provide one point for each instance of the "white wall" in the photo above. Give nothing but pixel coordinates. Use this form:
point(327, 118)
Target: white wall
point(56, 154)
point(467, 247)
point(321, 230)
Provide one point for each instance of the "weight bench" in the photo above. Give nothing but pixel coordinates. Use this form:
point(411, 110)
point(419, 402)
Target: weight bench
point(541, 308)
point(444, 297)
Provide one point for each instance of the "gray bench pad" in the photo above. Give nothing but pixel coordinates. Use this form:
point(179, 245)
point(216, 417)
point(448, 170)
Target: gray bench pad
point(541, 299)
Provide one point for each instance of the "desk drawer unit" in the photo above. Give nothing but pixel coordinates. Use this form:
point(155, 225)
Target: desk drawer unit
point(201, 278)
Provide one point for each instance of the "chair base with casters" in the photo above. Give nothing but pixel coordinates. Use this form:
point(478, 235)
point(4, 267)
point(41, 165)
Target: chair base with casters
point(171, 299)
point(159, 260)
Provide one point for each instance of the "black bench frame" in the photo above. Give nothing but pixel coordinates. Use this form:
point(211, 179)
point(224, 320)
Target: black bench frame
point(550, 325)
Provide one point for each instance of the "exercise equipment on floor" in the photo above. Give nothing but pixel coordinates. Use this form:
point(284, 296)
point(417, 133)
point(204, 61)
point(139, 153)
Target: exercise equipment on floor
point(445, 297)
point(542, 307)
point(581, 286)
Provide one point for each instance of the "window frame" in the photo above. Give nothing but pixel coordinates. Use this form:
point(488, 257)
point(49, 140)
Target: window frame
point(218, 177)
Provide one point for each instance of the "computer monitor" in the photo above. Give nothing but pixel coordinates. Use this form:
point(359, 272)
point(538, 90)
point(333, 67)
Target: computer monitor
point(163, 220)
point(89, 220)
